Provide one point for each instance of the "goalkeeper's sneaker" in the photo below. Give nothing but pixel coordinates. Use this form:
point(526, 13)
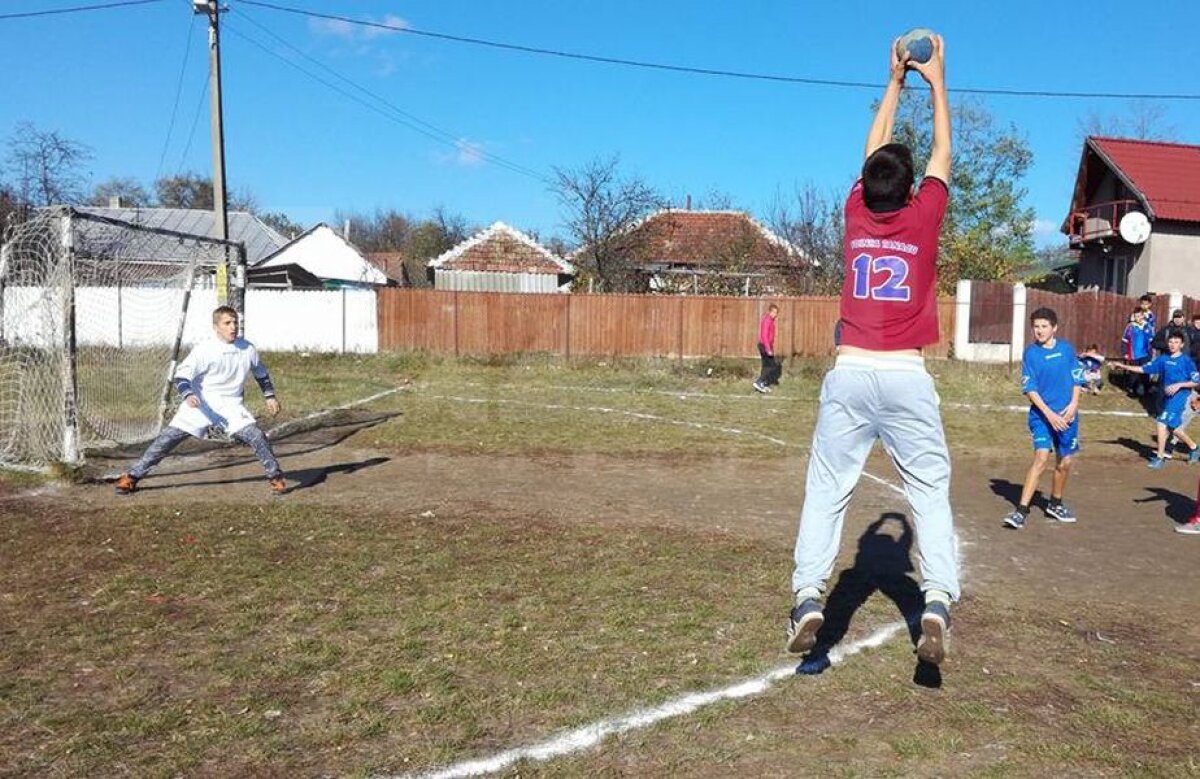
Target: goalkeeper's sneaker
point(278, 485)
point(935, 623)
point(806, 619)
point(126, 484)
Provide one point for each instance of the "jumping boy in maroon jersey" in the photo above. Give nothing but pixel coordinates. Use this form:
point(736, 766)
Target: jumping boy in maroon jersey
point(878, 387)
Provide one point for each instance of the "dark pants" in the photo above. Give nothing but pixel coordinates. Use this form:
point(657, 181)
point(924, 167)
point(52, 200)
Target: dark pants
point(772, 368)
point(171, 437)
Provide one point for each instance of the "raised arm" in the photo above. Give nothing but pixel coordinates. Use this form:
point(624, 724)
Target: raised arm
point(880, 133)
point(934, 73)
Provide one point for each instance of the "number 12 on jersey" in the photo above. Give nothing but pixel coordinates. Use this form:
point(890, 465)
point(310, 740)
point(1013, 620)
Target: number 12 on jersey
point(880, 278)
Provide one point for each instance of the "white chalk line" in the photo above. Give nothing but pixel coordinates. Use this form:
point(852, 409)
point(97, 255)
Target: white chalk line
point(278, 429)
point(590, 735)
point(686, 394)
point(620, 412)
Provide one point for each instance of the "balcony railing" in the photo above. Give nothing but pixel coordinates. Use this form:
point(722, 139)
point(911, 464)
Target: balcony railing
point(1098, 221)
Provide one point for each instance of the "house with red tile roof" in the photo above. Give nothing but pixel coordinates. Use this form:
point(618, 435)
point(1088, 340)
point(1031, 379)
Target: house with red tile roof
point(1135, 216)
point(711, 252)
point(501, 259)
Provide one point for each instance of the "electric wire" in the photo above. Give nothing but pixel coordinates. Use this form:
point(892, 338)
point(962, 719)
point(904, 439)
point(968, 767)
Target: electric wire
point(394, 114)
point(76, 9)
point(445, 135)
point(698, 70)
point(195, 120)
point(187, 48)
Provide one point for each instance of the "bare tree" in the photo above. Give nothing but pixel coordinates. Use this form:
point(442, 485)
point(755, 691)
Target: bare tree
point(191, 190)
point(601, 205)
point(814, 224)
point(45, 167)
point(1144, 120)
point(128, 191)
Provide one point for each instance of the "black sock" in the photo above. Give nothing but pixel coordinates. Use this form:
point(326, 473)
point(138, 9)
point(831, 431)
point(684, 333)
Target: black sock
point(1055, 501)
point(1023, 510)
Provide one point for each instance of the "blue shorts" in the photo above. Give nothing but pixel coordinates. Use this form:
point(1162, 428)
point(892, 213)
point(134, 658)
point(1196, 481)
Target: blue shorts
point(1064, 442)
point(1172, 413)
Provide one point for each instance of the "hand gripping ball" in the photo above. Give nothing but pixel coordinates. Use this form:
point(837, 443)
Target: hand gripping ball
point(918, 42)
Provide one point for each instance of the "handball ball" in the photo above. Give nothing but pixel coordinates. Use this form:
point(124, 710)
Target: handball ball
point(918, 42)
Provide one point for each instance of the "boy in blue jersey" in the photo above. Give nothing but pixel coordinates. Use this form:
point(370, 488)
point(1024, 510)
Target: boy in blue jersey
point(1177, 372)
point(1052, 379)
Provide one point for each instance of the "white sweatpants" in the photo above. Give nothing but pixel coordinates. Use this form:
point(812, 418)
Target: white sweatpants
point(894, 400)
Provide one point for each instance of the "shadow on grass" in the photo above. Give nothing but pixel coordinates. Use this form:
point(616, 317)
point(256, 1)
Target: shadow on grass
point(883, 564)
point(1179, 508)
point(306, 477)
point(1009, 491)
point(319, 435)
point(1145, 451)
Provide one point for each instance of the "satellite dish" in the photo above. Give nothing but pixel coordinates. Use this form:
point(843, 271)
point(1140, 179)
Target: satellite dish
point(1134, 227)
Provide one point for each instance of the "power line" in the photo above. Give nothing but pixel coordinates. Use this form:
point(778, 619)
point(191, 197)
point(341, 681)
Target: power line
point(195, 120)
point(187, 47)
point(75, 9)
point(703, 71)
point(388, 110)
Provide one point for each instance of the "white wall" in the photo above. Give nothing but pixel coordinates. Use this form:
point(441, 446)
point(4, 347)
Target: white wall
point(276, 320)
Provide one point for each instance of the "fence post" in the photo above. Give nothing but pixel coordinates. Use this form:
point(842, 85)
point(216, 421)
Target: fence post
point(1017, 342)
point(1174, 301)
point(962, 320)
point(568, 328)
point(679, 350)
point(343, 320)
point(456, 323)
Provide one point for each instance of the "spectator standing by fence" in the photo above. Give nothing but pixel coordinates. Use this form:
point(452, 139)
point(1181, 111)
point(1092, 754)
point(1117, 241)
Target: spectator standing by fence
point(1135, 348)
point(772, 369)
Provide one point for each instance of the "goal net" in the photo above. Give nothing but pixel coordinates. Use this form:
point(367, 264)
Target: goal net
point(92, 316)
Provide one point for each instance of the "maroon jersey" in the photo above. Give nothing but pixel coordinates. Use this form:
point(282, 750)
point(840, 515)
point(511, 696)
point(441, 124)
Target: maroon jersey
point(889, 297)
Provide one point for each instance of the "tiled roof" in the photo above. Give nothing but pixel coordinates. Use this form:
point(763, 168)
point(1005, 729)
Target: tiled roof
point(504, 249)
point(690, 238)
point(260, 240)
point(1166, 175)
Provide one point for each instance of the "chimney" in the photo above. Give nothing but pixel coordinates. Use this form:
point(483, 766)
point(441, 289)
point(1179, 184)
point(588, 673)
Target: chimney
point(346, 231)
point(114, 201)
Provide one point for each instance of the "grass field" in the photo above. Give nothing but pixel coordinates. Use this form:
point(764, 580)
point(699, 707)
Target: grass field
point(504, 550)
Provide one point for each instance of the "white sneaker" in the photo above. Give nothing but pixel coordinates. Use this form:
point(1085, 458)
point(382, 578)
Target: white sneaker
point(760, 388)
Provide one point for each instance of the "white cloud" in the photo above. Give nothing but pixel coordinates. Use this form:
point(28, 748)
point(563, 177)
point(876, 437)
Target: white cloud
point(1045, 227)
point(348, 31)
point(468, 154)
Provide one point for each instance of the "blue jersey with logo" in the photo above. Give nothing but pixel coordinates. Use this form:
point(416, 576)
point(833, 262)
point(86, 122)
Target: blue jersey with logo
point(1173, 370)
point(1052, 372)
point(1136, 341)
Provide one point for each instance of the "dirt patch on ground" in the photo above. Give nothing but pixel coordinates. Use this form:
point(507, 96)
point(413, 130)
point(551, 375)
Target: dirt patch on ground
point(1122, 548)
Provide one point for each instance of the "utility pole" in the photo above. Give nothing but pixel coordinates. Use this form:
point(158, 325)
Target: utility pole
point(231, 279)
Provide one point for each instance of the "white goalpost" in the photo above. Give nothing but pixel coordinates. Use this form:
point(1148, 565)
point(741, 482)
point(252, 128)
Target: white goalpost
point(92, 318)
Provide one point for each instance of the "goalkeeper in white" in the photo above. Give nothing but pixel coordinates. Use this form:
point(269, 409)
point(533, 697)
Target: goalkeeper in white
point(211, 383)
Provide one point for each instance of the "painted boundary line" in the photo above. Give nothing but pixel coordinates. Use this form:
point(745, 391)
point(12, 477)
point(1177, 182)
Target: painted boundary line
point(591, 735)
point(286, 426)
point(620, 412)
point(784, 398)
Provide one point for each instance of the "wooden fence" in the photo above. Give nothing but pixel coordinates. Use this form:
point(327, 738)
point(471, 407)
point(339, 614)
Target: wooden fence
point(481, 323)
point(1086, 318)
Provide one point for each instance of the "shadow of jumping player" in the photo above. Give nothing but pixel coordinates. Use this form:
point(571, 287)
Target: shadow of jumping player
point(882, 564)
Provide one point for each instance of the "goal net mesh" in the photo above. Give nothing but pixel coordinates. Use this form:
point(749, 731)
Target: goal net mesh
point(92, 311)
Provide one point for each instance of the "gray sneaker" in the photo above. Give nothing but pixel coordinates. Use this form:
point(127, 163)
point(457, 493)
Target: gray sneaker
point(760, 388)
point(806, 619)
point(1060, 512)
point(935, 624)
point(1015, 520)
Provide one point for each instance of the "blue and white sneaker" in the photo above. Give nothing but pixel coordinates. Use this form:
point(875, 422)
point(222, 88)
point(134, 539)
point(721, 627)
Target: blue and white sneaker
point(1015, 520)
point(935, 624)
point(1156, 463)
point(1194, 456)
point(1060, 512)
point(806, 619)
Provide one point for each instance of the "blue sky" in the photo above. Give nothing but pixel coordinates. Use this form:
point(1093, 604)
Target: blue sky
point(109, 79)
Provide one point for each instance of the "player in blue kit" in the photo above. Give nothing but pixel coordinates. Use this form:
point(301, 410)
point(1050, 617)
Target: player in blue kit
point(1176, 372)
point(1052, 379)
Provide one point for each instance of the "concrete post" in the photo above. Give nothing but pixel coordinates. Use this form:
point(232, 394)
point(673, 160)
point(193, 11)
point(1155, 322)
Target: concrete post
point(1020, 295)
point(1174, 301)
point(962, 320)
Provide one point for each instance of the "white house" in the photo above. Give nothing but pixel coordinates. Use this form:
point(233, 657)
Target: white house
point(318, 257)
